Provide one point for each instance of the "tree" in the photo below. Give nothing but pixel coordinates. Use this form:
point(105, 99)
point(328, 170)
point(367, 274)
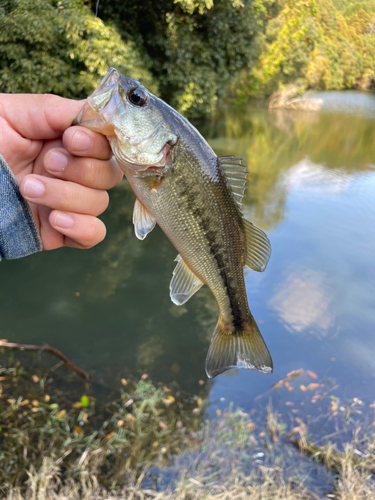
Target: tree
point(197, 47)
point(59, 47)
point(321, 44)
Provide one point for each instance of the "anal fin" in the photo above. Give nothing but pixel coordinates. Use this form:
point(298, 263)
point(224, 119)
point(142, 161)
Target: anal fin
point(258, 247)
point(245, 349)
point(184, 283)
point(142, 219)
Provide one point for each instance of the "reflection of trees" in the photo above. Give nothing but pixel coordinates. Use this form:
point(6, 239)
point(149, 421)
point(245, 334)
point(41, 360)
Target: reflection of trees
point(271, 142)
point(109, 308)
point(123, 319)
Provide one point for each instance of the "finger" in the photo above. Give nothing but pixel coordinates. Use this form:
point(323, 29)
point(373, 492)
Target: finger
point(81, 141)
point(81, 231)
point(90, 172)
point(63, 195)
point(39, 116)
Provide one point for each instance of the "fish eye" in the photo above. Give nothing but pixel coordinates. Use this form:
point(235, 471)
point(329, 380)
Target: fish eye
point(137, 97)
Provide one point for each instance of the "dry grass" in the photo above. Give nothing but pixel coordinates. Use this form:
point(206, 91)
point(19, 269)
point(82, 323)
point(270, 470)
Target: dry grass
point(149, 432)
point(268, 485)
point(353, 481)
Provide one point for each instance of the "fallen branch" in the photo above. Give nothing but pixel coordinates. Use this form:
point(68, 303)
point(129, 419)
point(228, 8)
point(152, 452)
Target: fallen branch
point(289, 98)
point(68, 362)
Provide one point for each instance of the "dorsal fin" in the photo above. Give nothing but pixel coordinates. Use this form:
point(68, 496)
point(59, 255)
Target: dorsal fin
point(236, 175)
point(258, 247)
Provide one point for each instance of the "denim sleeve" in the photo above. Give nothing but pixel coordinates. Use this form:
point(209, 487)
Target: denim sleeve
point(18, 233)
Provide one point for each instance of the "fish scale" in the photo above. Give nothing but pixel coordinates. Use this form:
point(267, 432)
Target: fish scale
point(203, 205)
point(194, 196)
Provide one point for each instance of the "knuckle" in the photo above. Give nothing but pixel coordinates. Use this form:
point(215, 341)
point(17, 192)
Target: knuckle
point(89, 173)
point(50, 99)
point(67, 195)
point(101, 146)
point(90, 235)
point(119, 172)
point(95, 232)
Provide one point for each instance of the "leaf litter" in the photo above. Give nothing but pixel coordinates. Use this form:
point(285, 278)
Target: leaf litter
point(145, 444)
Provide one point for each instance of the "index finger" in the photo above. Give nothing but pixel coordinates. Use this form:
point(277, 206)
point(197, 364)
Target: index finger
point(81, 141)
point(39, 116)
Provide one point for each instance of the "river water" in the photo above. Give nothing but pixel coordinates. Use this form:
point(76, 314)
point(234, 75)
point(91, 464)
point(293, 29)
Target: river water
point(311, 188)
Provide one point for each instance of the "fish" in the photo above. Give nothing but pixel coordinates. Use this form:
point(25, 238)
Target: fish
point(195, 197)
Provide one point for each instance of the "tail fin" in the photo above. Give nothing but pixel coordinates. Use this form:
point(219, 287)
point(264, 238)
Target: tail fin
point(245, 349)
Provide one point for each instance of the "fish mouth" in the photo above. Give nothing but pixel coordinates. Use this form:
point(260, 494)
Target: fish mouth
point(100, 121)
point(154, 168)
point(140, 152)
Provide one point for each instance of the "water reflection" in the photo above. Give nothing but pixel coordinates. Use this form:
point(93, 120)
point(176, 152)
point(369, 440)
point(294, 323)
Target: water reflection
point(315, 179)
point(303, 302)
point(311, 186)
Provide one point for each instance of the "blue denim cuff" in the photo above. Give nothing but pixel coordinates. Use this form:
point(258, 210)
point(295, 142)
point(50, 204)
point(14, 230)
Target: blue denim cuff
point(18, 233)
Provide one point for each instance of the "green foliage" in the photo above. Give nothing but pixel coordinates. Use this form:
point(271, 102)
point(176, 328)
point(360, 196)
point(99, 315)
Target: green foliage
point(59, 47)
point(109, 441)
point(197, 47)
point(321, 44)
point(194, 53)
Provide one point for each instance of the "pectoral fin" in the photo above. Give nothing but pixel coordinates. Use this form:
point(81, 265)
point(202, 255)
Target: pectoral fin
point(184, 283)
point(258, 247)
point(142, 219)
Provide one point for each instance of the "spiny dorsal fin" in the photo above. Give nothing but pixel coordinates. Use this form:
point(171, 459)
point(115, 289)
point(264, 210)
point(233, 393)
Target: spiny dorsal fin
point(184, 283)
point(258, 247)
point(142, 219)
point(236, 174)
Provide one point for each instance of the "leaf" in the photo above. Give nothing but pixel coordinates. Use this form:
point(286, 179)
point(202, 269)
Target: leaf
point(169, 400)
point(84, 401)
point(334, 405)
point(311, 387)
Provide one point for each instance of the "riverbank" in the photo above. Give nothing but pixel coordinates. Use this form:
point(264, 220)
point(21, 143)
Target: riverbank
point(59, 441)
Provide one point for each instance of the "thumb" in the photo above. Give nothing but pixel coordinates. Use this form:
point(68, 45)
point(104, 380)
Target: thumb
point(39, 116)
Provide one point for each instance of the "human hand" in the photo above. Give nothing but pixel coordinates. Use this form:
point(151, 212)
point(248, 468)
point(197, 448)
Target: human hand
point(63, 171)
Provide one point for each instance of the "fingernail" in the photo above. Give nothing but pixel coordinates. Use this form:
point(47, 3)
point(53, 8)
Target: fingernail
point(56, 161)
point(63, 220)
point(81, 141)
point(34, 188)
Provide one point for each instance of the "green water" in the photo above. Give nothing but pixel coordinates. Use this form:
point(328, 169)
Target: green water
point(311, 188)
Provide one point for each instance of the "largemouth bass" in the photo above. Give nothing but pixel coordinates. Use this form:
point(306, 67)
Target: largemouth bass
point(195, 197)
